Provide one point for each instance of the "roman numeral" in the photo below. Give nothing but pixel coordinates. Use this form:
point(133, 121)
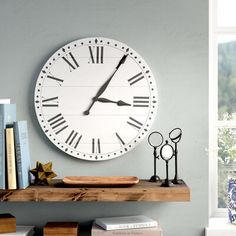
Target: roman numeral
point(73, 139)
point(139, 101)
point(96, 147)
point(135, 78)
point(120, 139)
point(96, 54)
point(59, 81)
point(70, 60)
point(57, 123)
point(134, 123)
point(50, 102)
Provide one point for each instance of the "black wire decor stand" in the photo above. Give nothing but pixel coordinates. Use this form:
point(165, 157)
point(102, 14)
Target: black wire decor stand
point(167, 152)
point(155, 139)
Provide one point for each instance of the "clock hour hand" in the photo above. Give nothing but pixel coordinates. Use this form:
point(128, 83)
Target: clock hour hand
point(104, 86)
point(118, 103)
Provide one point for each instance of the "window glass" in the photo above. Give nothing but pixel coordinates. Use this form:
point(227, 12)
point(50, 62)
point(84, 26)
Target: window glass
point(227, 77)
point(224, 115)
point(226, 13)
point(226, 162)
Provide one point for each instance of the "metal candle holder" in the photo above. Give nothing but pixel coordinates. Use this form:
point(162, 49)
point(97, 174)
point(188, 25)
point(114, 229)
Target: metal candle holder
point(175, 136)
point(155, 139)
point(166, 153)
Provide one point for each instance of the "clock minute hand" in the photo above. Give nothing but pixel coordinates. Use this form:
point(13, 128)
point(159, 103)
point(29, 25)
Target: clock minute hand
point(118, 103)
point(104, 86)
point(122, 61)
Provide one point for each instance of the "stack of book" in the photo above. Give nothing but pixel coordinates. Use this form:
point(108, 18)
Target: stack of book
point(126, 225)
point(14, 149)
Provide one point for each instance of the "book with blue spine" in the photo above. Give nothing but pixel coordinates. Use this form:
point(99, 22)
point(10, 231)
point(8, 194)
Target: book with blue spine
point(22, 153)
point(7, 117)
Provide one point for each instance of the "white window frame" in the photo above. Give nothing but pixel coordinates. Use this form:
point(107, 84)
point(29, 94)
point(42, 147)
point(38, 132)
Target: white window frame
point(214, 123)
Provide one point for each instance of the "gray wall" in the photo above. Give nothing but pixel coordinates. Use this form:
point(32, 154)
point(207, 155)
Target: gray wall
point(172, 36)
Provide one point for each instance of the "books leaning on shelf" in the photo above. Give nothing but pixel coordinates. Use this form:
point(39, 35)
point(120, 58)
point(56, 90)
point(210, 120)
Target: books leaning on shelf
point(21, 230)
point(14, 149)
point(151, 231)
point(126, 222)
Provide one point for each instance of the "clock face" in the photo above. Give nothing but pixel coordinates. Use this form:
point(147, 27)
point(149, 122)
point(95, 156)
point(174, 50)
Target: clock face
point(95, 98)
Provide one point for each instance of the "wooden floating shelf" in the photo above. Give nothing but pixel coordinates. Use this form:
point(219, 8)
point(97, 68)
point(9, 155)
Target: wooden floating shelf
point(143, 191)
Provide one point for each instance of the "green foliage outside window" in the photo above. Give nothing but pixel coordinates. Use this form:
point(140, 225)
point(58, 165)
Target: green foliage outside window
point(227, 80)
point(226, 162)
point(226, 111)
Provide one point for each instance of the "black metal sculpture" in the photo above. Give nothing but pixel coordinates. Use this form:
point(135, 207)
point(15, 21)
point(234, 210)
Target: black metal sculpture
point(155, 139)
point(175, 136)
point(167, 152)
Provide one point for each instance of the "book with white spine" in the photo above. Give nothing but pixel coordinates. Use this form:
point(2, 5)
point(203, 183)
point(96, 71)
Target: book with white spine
point(5, 101)
point(10, 159)
point(126, 222)
point(151, 231)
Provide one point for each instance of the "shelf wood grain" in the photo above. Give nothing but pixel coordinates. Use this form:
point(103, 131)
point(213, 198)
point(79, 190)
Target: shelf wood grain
point(56, 192)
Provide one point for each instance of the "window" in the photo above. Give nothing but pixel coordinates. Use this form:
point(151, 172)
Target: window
point(222, 102)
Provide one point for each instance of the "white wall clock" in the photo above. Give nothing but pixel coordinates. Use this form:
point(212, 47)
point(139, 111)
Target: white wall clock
point(95, 98)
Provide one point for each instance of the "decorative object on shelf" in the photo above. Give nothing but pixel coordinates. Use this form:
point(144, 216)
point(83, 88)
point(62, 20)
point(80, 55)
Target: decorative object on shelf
point(7, 223)
point(43, 173)
point(232, 200)
point(61, 228)
point(98, 181)
point(175, 136)
point(155, 139)
point(166, 153)
point(95, 98)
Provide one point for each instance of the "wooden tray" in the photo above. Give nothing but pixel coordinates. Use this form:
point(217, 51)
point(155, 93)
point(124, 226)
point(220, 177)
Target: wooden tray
point(96, 181)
